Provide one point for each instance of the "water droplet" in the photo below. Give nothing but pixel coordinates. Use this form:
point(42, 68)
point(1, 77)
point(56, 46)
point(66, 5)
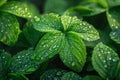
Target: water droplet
point(114, 60)
point(37, 18)
point(18, 56)
point(104, 61)
point(58, 73)
point(109, 58)
point(105, 66)
point(73, 64)
point(99, 55)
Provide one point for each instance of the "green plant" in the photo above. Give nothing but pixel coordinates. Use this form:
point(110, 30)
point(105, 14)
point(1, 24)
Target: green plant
point(70, 43)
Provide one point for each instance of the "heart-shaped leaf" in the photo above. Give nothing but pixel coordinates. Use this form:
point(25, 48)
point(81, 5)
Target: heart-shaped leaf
point(22, 62)
point(53, 74)
point(31, 34)
point(71, 76)
point(73, 54)
point(9, 28)
point(13, 76)
point(82, 28)
point(113, 16)
point(115, 35)
point(48, 46)
point(105, 61)
point(2, 2)
point(18, 8)
point(47, 23)
point(5, 59)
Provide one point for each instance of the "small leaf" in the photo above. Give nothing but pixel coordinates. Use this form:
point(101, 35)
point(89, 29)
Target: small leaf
point(53, 74)
point(113, 17)
point(5, 59)
point(71, 76)
point(91, 77)
point(13, 76)
point(22, 62)
point(49, 45)
point(31, 34)
point(9, 28)
point(115, 36)
point(18, 8)
point(47, 23)
point(2, 2)
point(105, 61)
point(73, 54)
point(113, 3)
point(82, 28)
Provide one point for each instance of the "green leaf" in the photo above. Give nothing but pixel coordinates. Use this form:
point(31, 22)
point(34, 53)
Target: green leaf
point(47, 23)
point(105, 61)
point(31, 34)
point(113, 17)
point(22, 62)
point(85, 30)
point(13, 76)
point(49, 45)
point(71, 76)
point(73, 54)
point(118, 72)
point(2, 2)
point(113, 3)
point(9, 29)
point(88, 9)
point(54, 7)
point(115, 35)
point(102, 3)
point(91, 77)
point(59, 6)
point(5, 59)
point(18, 8)
point(53, 74)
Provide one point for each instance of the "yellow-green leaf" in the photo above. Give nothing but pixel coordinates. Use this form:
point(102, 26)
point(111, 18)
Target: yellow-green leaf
point(9, 29)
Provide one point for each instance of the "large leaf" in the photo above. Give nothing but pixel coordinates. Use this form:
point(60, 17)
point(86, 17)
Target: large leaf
point(48, 46)
point(2, 2)
point(13, 76)
point(53, 74)
point(82, 28)
point(71, 76)
point(18, 8)
point(31, 34)
point(105, 61)
point(22, 62)
point(73, 54)
point(5, 59)
point(47, 23)
point(9, 29)
point(113, 16)
point(115, 35)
